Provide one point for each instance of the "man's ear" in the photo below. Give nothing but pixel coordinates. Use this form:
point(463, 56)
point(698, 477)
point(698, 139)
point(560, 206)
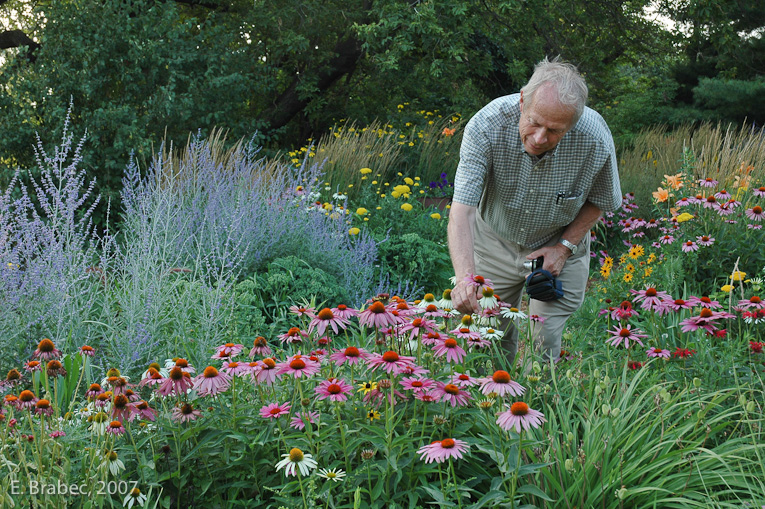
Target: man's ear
point(520, 101)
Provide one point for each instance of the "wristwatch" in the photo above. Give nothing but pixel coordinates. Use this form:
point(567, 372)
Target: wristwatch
point(571, 247)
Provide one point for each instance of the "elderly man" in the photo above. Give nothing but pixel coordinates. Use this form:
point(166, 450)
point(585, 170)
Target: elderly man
point(536, 171)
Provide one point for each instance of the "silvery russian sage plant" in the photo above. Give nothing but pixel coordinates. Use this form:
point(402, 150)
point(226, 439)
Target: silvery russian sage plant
point(47, 244)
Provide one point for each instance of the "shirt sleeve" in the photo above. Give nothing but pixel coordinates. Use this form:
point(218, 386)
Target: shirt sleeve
point(475, 160)
point(606, 192)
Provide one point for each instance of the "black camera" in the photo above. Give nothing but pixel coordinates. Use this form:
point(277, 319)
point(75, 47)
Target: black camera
point(534, 264)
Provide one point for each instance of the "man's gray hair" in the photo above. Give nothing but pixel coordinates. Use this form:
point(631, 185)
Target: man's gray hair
point(571, 88)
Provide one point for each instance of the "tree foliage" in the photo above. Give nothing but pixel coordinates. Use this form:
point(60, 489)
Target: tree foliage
point(138, 71)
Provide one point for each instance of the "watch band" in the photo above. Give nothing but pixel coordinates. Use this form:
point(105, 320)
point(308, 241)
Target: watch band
point(571, 247)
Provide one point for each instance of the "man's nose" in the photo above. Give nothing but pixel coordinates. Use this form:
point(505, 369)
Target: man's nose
point(540, 136)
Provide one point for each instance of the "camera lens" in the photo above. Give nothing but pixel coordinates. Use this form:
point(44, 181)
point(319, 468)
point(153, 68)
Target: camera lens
point(528, 265)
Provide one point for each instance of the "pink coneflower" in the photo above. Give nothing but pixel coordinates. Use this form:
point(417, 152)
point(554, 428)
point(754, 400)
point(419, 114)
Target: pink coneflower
point(477, 282)
point(677, 304)
point(115, 428)
point(755, 213)
point(537, 319)
point(426, 396)
point(275, 410)
point(451, 394)
point(46, 350)
point(625, 334)
point(754, 226)
point(666, 239)
point(227, 351)
point(212, 382)
point(383, 395)
point(260, 347)
point(103, 399)
point(442, 450)
point(689, 246)
point(658, 352)
point(706, 319)
point(377, 315)
point(390, 361)
point(518, 416)
point(121, 408)
point(753, 302)
point(293, 335)
point(710, 202)
point(432, 338)
point(233, 368)
point(185, 412)
point(683, 353)
point(704, 301)
point(344, 312)
point(302, 311)
point(684, 201)
point(151, 377)
point(466, 333)
point(417, 384)
point(326, 318)
point(623, 311)
point(32, 366)
point(299, 366)
point(178, 382)
point(651, 297)
point(501, 384)
point(43, 407)
point(93, 391)
point(352, 355)
point(403, 309)
point(266, 372)
point(413, 370)
point(480, 342)
point(333, 389)
point(464, 380)
point(705, 240)
point(418, 326)
point(300, 419)
point(87, 351)
point(26, 400)
point(707, 182)
point(724, 209)
point(433, 311)
point(12, 379)
point(451, 349)
point(760, 191)
point(142, 410)
point(723, 195)
point(185, 366)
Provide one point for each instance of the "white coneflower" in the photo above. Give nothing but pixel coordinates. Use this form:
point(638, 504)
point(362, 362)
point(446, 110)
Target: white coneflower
point(296, 459)
point(334, 474)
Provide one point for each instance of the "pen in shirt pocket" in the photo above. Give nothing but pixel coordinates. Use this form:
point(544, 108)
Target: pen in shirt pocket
point(566, 196)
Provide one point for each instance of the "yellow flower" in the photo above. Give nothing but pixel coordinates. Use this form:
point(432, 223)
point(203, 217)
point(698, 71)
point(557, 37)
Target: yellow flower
point(629, 268)
point(409, 181)
point(354, 231)
point(608, 261)
point(327, 206)
point(738, 275)
point(406, 206)
point(402, 190)
point(627, 277)
point(605, 271)
point(647, 272)
point(684, 217)
point(651, 258)
point(636, 252)
point(361, 211)
point(372, 415)
point(395, 193)
point(435, 215)
point(727, 288)
point(365, 387)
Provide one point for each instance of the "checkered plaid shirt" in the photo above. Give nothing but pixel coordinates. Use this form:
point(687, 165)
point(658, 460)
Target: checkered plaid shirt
point(527, 199)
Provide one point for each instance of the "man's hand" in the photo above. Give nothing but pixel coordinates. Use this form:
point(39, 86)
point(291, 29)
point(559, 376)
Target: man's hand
point(464, 298)
point(555, 258)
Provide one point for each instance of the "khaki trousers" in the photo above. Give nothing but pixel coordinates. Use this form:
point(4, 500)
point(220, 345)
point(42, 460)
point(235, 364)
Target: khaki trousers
point(502, 262)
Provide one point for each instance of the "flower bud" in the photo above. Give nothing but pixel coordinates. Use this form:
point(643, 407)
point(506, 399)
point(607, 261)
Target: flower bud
point(569, 466)
point(750, 407)
point(536, 367)
point(570, 437)
point(615, 412)
point(621, 493)
point(605, 409)
point(696, 382)
point(742, 399)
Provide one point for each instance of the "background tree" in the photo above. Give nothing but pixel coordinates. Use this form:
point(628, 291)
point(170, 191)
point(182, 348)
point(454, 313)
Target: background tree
point(138, 71)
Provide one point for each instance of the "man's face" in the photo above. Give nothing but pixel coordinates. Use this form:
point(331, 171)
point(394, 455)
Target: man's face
point(544, 121)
